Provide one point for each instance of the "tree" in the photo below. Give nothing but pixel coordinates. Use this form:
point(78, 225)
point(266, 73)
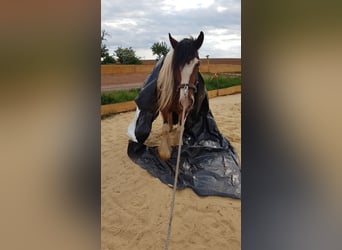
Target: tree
point(160, 49)
point(127, 56)
point(104, 49)
point(105, 57)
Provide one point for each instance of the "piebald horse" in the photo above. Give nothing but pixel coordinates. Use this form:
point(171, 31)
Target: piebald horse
point(176, 85)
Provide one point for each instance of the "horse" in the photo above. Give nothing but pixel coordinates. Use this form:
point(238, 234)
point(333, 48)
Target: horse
point(176, 85)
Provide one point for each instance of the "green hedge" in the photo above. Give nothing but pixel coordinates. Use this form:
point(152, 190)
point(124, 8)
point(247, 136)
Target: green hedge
point(117, 96)
point(212, 81)
point(221, 80)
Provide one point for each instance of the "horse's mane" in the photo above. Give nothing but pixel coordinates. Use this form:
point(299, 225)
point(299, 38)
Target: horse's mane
point(165, 82)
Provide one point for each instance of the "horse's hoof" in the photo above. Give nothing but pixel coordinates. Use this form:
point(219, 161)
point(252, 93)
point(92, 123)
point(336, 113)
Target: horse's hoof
point(164, 153)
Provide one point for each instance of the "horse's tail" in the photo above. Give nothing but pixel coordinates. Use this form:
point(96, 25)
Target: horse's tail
point(165, 83)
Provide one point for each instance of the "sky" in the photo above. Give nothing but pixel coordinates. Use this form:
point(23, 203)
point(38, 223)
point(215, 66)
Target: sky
point(141, 23)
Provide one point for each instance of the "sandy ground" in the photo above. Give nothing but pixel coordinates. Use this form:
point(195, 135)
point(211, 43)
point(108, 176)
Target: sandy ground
point(136, 206)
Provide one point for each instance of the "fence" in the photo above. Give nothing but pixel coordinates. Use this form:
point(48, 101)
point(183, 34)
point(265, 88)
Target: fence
point(211, 65)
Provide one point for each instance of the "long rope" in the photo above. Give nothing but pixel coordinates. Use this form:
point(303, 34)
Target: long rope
point(175, 183)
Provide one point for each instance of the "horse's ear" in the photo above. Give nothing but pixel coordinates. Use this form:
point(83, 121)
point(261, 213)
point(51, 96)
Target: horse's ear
point(173, 41)
point(199, 40)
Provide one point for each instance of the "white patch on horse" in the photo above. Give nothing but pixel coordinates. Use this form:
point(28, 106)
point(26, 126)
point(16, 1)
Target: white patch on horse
point(131, 126)
point(186, 73)
point(187, 70)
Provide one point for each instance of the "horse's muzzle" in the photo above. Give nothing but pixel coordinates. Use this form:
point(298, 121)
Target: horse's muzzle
point(186, 97)
point(186, 103)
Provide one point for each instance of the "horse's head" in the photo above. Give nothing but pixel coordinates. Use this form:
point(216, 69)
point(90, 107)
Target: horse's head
point(185, 64)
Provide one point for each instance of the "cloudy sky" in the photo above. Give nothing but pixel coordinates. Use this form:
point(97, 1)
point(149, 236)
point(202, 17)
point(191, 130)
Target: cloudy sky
point(140, 23)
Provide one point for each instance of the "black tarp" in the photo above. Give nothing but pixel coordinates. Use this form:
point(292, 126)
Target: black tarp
point(209, 164)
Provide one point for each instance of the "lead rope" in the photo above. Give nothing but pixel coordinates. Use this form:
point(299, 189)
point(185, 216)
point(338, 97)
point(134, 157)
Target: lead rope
point(176, 176)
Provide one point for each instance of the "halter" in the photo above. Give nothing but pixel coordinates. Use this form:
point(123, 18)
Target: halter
point(186, 86)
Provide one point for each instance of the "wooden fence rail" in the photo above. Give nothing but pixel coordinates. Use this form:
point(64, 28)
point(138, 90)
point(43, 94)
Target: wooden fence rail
point(141, 68)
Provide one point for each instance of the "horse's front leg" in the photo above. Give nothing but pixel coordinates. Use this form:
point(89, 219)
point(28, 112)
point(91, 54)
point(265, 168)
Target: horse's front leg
point(170, 121)
point(164, 148)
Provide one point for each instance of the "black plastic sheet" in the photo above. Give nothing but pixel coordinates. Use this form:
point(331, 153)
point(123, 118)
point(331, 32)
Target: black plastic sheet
point(209, 164)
